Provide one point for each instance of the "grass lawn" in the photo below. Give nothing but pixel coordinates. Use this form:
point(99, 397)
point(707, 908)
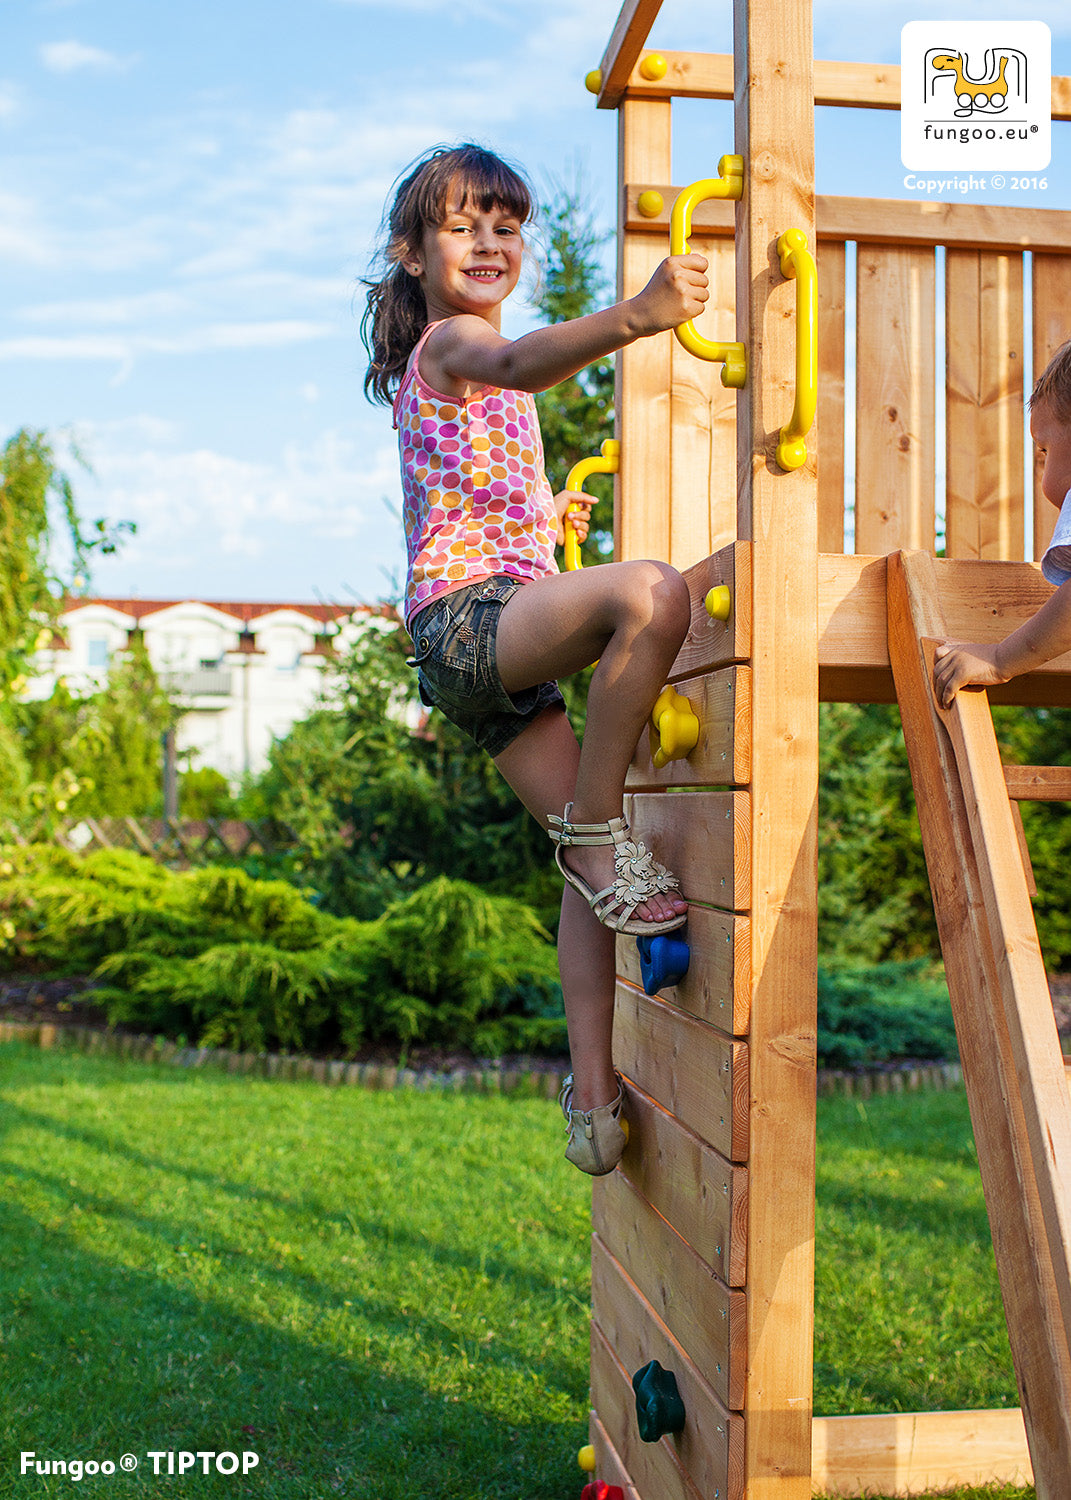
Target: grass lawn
point(385, 1295)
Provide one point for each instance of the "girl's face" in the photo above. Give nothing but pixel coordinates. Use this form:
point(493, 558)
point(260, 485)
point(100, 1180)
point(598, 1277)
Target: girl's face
point(470, 262)
point(1052, 440)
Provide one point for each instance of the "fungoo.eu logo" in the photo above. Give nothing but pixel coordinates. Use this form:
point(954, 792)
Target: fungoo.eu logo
point(975, 95)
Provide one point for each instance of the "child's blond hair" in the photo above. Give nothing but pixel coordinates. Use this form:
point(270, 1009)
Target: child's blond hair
point(1053, 386)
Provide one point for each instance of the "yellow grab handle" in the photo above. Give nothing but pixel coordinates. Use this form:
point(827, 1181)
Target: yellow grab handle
point(730, 184)
point(604, 462)
point(674, 729)
point(797, 261)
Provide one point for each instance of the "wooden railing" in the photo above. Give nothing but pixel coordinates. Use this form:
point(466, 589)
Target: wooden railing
point(178, 842)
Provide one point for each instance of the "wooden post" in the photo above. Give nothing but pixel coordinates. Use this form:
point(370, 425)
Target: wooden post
point(777, 512)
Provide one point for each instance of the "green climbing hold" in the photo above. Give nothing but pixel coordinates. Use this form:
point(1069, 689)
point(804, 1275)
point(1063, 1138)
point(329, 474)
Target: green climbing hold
point(659, 1408)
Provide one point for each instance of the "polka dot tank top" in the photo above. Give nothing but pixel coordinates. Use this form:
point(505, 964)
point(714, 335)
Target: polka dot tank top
point(475, 499)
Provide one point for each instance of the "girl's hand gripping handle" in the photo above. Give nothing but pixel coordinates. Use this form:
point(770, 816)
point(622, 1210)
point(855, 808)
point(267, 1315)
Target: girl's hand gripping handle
point(606, 462)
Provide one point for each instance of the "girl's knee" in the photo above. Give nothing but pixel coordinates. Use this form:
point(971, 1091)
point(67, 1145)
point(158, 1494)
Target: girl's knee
point(664, 591)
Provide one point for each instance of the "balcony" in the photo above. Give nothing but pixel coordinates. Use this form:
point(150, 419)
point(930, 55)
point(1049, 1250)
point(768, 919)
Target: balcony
point(207, 682)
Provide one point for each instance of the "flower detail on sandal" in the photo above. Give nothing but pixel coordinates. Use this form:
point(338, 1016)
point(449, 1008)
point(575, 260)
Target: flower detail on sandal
point(637, 874)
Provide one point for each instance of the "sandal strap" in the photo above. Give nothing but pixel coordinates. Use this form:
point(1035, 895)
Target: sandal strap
point(562, 831)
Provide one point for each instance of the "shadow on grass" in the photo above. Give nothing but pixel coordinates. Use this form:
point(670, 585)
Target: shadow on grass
point(98, 1359)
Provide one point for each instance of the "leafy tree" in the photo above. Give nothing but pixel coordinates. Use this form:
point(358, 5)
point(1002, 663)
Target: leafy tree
point(576, 416)
point(98, 754)
point(32, 486)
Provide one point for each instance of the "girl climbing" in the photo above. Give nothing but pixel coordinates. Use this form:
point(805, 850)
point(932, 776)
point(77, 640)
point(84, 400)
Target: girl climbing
point(493, 622)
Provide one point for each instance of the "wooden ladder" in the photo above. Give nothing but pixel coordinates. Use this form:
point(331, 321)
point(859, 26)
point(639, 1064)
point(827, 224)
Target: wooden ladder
point(1009, 1047)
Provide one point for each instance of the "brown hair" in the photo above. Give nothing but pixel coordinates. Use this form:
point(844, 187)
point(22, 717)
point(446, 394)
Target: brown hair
point(396, 314)
point(1053, 385)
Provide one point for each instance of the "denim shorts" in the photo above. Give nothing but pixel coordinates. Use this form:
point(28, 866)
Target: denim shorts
point(454, 654)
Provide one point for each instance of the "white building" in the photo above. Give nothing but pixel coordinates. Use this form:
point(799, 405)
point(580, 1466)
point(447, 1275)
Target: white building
point(243, 673)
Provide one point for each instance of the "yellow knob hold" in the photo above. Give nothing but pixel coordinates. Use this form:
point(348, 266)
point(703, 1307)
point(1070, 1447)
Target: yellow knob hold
point(718, 602)
point(593, 81)
point(650, 203)
point(586, 1458)
point(674, 731)
point(653, 67)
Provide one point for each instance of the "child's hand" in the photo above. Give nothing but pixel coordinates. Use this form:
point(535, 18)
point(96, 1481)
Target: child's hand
point(674, 295)
point(959, 664)
point(579, 520)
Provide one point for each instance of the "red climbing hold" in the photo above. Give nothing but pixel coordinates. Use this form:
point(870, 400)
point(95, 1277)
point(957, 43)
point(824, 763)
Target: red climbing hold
point(602, 1491)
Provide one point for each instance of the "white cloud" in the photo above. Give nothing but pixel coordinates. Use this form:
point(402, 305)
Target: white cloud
point(191, 504)
point(72, 57)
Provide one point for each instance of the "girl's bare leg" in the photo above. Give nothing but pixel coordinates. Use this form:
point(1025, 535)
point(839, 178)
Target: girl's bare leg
point(631, 617)
point(541, 767)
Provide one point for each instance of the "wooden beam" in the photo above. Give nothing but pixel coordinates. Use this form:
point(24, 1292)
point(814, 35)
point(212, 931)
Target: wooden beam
point(1000, 1002)
point(914, 1453)
point(852, 85)
point(777, 513)
point(880, 221)
point(1038, 783)
point(631, 30)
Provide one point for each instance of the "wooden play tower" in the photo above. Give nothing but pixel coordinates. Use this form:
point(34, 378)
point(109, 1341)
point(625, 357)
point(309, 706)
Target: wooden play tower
point(703, 1242)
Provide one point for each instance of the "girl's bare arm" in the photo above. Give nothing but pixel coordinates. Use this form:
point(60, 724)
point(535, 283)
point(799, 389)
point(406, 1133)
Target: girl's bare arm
point(467, 349)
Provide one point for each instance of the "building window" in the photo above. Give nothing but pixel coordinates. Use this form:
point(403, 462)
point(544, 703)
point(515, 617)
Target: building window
point(98, 651)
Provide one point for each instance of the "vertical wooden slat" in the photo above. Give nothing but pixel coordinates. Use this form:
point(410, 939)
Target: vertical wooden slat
point(894, 440)
point(829, 437)
point(703, 420)
point(778, 514)
point(984, 424)
point(1052, 327)
point(642, 493)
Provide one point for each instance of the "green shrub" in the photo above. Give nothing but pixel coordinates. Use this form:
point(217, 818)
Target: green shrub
point(883, 1014)
point(228, 961)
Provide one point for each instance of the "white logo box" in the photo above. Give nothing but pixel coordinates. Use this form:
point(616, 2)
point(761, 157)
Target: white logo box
point(976, 95)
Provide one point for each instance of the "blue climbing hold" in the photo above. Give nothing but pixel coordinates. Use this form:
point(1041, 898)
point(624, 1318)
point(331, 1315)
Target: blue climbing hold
point(664, 961)
point(659, 1408)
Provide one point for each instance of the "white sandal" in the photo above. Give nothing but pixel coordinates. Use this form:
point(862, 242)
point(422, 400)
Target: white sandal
point(597, 1137)
point(637, 873)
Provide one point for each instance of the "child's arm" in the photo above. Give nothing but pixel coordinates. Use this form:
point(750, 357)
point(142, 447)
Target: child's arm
point(467, 349)
point(580, 520)
point(1045, 636)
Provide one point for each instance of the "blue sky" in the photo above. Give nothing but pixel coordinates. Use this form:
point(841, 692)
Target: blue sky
point(189, 195)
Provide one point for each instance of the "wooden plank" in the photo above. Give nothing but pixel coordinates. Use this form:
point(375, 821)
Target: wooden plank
point(829, 435)
point(695, 1189)
point(881, 221)
point(696, 1073)
point(703, 425)
point(717, 986)
point(980, 601)
point(913, 1453)
point(1051, 301)
point(712, 643)
point(894, 425)
point(708, 1448)
point(631, 30)
point(1038, 783)
point(702, 837)
point(654, 1468)
point(697, 1308)
point(722, 756)
point(1020, 1128)
point(608, 1466)
point(709, 75)
point(777, 512)
point(642, 509)
point(984, 423)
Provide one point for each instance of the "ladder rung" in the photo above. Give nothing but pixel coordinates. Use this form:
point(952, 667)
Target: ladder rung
point(1038, 783)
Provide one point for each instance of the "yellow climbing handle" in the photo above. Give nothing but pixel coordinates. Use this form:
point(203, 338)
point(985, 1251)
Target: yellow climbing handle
point(674, 731)
point(606, 461)
point(730, 184)
point(797, 261)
